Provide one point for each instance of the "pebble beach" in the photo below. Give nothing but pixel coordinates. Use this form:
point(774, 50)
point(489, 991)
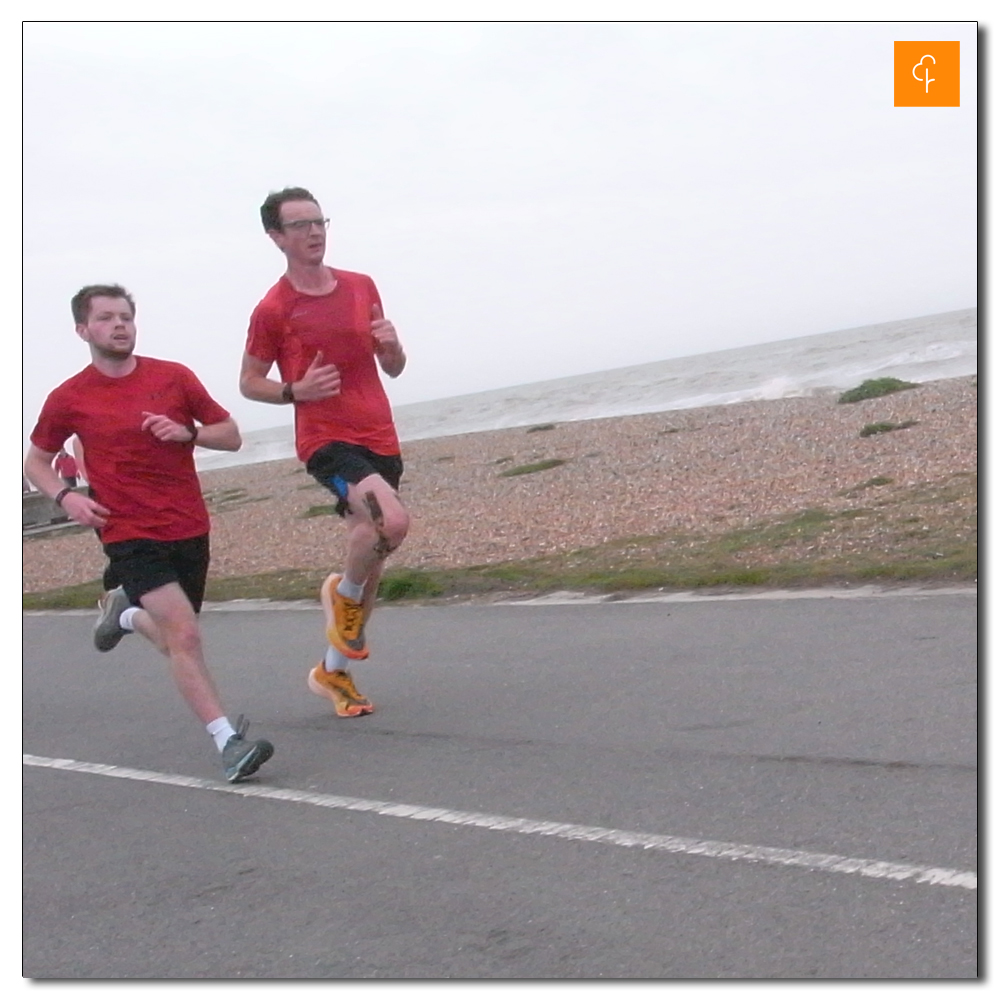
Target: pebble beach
point(692, 469)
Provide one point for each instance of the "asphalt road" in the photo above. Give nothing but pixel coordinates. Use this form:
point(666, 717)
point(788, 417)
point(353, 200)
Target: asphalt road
point(826, 728)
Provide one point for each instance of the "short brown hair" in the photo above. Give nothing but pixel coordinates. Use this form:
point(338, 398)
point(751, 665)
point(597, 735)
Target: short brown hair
point(80, 303)
point(270, 211)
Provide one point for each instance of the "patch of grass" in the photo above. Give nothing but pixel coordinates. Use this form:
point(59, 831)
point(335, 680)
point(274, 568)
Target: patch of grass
point(81, 595)
point(524, 470)
point(222, 508)
point(540, 427)
point(280, 585)
point(224, 494)
point(811, 515)
point(319, 510)
point(408, 584)
point(225, 499)
point(867, 484)
point(885, 425)
point(873, 387)
point(773, 535)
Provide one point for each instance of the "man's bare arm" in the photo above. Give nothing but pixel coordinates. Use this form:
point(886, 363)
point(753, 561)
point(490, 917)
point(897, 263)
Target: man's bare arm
point(39, 472)
point(388, 349)
point(319, 382)
point(223, 436)
point(254, 383)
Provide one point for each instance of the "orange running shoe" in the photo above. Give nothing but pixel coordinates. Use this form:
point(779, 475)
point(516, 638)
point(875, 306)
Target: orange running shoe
point(345, 620)
point(339, 687)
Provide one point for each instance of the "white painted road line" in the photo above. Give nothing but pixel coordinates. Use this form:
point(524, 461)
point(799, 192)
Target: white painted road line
point(564, 831)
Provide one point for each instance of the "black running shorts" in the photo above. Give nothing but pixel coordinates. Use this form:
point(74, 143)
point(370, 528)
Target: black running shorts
point(141, 564)
point(337, 465)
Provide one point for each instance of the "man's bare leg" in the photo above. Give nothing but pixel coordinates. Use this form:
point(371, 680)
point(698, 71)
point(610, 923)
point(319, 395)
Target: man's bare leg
point(113, 625)
point(175, 630)
point(142, 622)
point(376, 524)
point(169, 621)
point(347, 598)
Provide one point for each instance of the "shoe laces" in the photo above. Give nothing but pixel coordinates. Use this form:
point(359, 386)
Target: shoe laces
point(353, 616)
point(242, 724)
point(346, 685)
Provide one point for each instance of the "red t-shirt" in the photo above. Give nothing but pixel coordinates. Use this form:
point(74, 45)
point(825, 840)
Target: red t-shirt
point(150, 486)
point(289, 327)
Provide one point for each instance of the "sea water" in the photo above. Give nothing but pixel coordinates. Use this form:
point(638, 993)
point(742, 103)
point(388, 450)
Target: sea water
point(916, 350)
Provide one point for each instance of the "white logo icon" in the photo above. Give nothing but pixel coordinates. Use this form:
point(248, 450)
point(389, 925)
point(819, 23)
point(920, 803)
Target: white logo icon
point(926, 79)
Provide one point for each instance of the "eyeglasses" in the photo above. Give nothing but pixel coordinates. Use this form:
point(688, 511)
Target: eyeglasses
point(304, 225)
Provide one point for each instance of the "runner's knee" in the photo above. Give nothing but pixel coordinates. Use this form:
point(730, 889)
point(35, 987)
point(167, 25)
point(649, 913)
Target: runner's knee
point(387, 517)
point(181, 636)
point(395, 525)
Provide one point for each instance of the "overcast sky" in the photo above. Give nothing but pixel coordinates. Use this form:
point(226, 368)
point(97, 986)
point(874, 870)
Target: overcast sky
point(532, 200)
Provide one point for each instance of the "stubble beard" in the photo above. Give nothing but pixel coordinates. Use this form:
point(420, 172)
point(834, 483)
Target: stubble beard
point(114, 353)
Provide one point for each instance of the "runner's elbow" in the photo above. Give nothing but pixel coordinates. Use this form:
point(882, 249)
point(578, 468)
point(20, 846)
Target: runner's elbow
point(233, 440)
point(246, 386)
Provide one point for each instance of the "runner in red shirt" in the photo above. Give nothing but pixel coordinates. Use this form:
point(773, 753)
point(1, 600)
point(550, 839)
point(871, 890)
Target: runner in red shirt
point(66, 468)
point(324, 329)
point(138, 420)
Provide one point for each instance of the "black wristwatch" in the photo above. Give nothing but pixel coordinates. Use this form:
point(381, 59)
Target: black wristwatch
point(287, 395)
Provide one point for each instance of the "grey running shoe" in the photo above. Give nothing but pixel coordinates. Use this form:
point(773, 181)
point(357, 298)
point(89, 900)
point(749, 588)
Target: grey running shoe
point(107, 632)
point(241, 757)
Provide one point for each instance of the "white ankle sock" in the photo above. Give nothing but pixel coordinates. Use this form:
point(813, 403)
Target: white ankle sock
point(220, 730)
point(351, 590)
point(125, 619)
point(334, 660)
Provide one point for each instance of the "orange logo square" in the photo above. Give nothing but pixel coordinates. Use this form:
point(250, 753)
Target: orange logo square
point(925, 75)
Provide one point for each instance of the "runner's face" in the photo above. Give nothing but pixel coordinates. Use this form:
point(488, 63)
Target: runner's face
point(110, 327)
point(304, 244)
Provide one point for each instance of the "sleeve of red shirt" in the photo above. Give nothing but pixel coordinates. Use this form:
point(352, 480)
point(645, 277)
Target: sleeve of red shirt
point(262, 336)
point(203, 408)
point(51, 429)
